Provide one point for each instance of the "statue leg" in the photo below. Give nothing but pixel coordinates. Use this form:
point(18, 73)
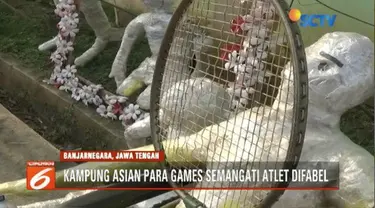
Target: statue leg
point(155, 35)
point(132, 31)
point(48, 45)
point(98, 21)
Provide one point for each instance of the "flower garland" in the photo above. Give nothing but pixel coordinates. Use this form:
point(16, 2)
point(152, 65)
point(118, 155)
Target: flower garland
point(64, 75)
point(246, 59)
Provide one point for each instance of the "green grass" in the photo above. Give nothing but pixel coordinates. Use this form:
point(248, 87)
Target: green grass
point(21, 36)
point(358, 124)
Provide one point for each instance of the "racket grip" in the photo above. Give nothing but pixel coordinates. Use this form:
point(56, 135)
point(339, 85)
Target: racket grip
point(191, 202)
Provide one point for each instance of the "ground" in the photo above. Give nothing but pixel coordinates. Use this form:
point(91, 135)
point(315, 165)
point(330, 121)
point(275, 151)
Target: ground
point(34, 22)
point(17, 138)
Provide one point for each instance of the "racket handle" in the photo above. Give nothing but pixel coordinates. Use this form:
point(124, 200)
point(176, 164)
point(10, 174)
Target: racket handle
point(191, 202)
point(4, 203)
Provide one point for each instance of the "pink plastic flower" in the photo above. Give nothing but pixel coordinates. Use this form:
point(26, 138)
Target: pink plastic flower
point(236, 24)
point(117, 108)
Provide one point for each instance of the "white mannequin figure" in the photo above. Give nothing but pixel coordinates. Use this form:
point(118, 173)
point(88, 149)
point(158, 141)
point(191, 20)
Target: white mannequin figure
point(153, 24)
point(99, 23)
point(153, 19)
point(334, 90)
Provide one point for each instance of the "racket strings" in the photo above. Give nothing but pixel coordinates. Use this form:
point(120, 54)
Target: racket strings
point(234, 103)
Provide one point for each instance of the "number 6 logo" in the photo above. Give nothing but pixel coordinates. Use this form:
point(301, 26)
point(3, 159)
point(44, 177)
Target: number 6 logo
point(40, 178)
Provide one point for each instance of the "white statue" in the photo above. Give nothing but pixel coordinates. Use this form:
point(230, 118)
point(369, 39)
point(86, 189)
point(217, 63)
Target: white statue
point(334, 90)
point(185, 108)
point(335, 85)
point(98, 21)
point(153, 24)
point(192, 104)
point(153, 17)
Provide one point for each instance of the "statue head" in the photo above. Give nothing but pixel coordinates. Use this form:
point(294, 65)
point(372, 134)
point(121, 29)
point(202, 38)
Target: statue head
point(340, 76)
point(340, 71)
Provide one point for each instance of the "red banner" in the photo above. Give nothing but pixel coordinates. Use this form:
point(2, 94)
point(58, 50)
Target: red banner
point(111, 156)
point(41, 175)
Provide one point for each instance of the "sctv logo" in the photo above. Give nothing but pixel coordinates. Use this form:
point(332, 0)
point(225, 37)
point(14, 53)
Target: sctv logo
point(312, 20)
